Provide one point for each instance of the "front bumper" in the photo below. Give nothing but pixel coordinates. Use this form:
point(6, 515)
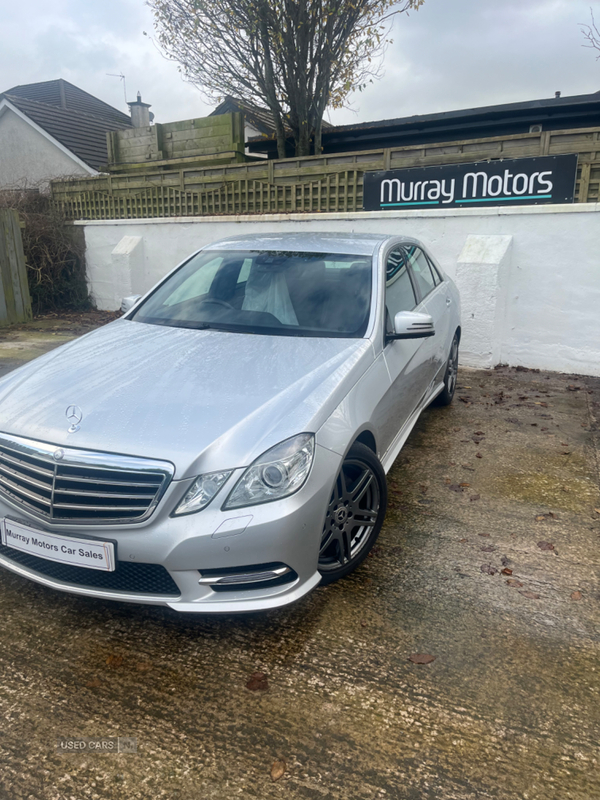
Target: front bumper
point(194, 551)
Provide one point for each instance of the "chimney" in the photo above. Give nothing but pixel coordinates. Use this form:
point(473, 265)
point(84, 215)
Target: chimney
point(140, 116)
point(556, 95)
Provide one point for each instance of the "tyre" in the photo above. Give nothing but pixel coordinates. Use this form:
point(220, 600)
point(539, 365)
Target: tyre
point(444, 398)
point(355, 514)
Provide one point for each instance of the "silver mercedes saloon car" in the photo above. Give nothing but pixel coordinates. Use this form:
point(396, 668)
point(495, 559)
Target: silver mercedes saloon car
point(223, 446)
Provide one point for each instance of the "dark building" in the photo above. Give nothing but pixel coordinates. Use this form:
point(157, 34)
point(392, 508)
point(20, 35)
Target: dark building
point(557, 113)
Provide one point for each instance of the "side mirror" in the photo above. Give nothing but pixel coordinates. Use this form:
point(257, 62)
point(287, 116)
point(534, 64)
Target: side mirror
point(127, 303)
point(412, 325)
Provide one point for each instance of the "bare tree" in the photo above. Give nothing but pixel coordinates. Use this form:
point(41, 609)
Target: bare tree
point(591, 34)
point(295, 56)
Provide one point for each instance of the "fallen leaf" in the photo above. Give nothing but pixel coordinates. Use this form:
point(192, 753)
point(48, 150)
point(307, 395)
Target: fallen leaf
point(462, 541)
point(466, 400)
point(544, 517)
point(363, 624)
point(545, 545)
point(530, 595)
point(466, 466)
point(464, 484)
point(421, 658)
point(94, 684)
point(576, 596)
point(488, 569)
point(513, 582)
point(474, 497)
point(478, 455)
point(484, 535)
point(507, 571)
point(489, 549)
point(479, 433)
point(278, 769)
point(114, 661)
point(258, 682)
point(144, 666)
point(597, 510)
point(454, 487)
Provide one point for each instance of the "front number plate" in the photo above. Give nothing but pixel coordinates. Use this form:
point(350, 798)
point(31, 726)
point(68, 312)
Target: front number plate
point(89, 553)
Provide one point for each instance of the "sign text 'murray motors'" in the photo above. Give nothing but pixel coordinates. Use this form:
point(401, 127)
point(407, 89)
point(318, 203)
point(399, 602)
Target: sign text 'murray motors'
point(547, 179)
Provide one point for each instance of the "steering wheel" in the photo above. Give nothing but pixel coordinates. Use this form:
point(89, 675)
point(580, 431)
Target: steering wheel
point(216, 302)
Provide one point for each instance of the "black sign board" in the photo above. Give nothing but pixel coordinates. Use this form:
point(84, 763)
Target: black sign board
point(508, 182)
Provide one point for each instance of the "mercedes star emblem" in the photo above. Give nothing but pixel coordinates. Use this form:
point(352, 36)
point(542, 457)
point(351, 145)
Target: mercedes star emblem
point(74, 414)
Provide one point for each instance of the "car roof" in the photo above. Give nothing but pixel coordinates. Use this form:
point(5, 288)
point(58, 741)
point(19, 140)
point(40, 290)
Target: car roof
point(363, 244)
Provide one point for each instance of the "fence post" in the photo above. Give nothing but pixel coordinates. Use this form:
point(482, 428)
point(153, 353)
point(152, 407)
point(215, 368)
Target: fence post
point(15, 302)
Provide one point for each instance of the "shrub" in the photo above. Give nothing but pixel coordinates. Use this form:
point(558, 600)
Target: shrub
point(53, 254)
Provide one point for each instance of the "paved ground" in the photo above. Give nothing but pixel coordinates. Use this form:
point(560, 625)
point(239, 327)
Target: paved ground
point(507, 479)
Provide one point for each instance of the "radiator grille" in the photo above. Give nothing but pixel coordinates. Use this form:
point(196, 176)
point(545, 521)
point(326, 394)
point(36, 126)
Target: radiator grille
point(67, 485)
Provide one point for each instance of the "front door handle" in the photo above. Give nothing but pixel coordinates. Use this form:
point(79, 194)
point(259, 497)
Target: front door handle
point(448, 301)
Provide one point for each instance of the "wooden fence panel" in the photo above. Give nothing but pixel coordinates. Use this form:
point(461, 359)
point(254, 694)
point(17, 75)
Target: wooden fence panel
point(15, 302)
point(310, 184)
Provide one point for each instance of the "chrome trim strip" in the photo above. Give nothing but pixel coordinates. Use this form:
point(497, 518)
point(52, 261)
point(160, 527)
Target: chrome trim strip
point(25, 465)
point(245, 577)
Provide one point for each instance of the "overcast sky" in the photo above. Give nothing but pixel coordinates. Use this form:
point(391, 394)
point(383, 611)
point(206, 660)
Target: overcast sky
point(452, 54)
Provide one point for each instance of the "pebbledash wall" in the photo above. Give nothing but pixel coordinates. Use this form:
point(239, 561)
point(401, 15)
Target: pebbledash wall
point(529, 276)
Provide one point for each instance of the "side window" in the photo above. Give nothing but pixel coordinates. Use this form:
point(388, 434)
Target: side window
point(435, 272)
point(399, 293)
point(197, 284)
point(245, 271)
point(421, 270)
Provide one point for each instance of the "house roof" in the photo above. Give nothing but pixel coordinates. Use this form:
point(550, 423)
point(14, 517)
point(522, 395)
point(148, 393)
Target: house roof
point(260, 118)
point(554, 113)
point(76, 119)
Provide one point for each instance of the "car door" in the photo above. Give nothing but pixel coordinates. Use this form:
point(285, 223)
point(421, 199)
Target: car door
point(406, 359)
point(433, 293)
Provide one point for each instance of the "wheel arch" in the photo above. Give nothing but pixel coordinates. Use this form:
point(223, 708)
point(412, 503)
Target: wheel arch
point(367, 438)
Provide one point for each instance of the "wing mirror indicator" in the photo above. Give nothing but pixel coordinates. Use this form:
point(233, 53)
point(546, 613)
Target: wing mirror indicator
point(127, 303)
point(412, 325)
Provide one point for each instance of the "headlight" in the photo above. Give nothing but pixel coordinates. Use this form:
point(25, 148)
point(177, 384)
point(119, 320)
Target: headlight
point(279, 472)
point(201, 492)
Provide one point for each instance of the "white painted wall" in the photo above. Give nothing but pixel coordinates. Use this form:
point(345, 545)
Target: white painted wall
point(543, 293)
point(28, 158)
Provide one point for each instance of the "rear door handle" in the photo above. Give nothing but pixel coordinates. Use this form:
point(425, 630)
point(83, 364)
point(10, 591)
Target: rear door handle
point(448, 301)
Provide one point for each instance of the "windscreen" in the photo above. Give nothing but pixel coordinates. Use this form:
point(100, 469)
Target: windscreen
point(268, 292)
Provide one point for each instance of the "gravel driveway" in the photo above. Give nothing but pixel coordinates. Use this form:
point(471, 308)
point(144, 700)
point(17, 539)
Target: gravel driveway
point(487, 569)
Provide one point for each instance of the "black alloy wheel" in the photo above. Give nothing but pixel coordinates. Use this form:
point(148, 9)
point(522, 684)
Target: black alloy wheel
point(444, 398)
point(355, 514)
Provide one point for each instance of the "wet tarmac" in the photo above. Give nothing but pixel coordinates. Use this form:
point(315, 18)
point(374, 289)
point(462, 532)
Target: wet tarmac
point(488, 562)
